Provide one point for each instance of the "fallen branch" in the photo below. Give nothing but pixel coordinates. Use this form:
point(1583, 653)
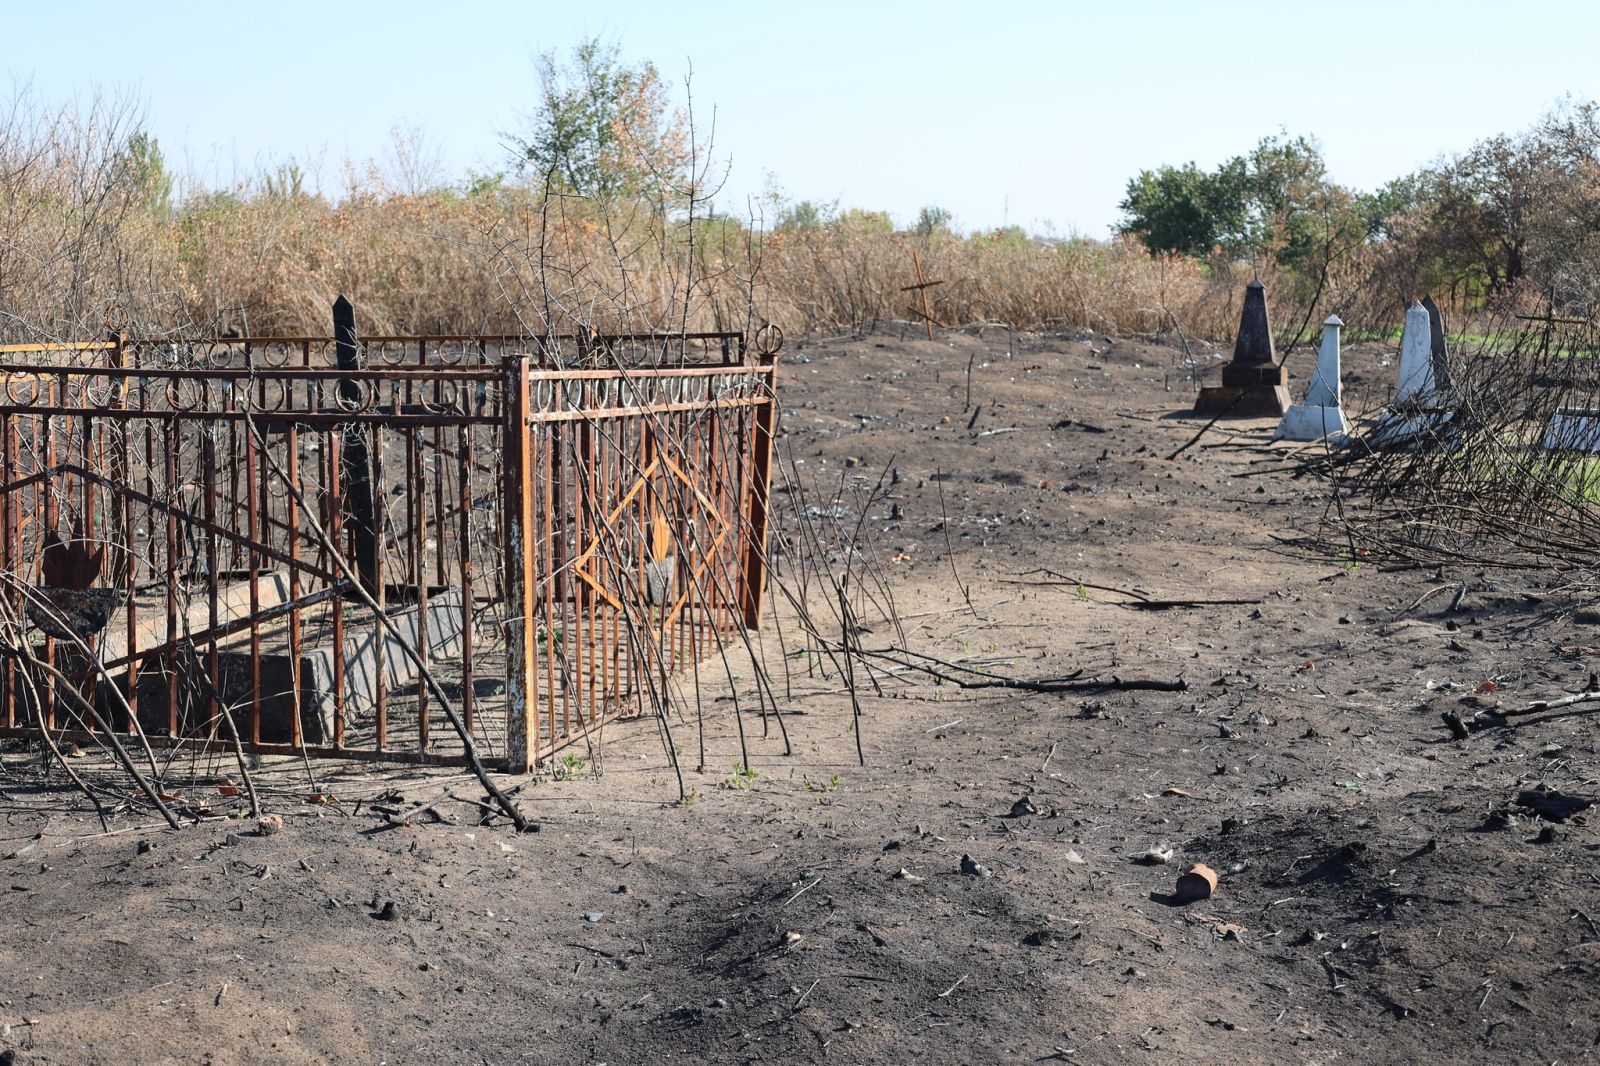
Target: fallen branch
point(1170, 605)
point(404, 817)
point(1590, 694)
point(1140, 601)
point(1074, 682)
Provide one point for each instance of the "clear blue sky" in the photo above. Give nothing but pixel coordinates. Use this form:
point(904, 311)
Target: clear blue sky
point(1034, 113)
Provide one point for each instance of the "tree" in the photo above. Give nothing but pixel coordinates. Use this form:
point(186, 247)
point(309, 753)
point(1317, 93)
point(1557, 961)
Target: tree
point(603, 128)
point(805, 215)
point(1521, 206)
point(1384, 210)
point(141, 166)
point(1185, 210)
point(931, 220)
point(1274, 201)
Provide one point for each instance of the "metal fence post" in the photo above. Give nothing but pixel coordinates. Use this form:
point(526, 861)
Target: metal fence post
point(753, 577)
point(522, 678)
point(360, 501)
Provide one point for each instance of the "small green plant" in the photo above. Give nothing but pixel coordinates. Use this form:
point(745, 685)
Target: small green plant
point(743, 777)
point(830, 785)
point(690, 796)
point(1083, 593)
point(569, 767)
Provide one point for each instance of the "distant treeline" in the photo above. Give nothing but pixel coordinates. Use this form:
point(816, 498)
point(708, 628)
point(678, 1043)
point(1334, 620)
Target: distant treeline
point(603, 217)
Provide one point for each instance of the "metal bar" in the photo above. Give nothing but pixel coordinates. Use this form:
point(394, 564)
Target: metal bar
point(546, 542)
point(292, 501)
point(208, 449)
point(319, 751)
point(47, 429)
point(170, 466)
point(419, 497)
point(464, 550)
point(252, 517)
point(9, 557)
point(521, 663)
point(754, 576)
point(556, 581)
point(335, 511)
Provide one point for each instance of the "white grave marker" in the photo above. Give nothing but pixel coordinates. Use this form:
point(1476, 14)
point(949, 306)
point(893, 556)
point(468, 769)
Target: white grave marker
point(1321, 414)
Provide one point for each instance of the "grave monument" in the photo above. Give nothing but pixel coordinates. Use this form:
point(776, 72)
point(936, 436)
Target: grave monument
point(1321, 415)
point(1253, 384)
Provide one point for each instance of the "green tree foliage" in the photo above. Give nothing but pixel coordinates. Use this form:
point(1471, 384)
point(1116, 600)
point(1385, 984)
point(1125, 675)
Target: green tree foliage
point(932, 220)
point(1384, 211)
point(805, 215)
point(141, 166)
point(1184, 209)
point(1522, 206)
point(1275, 199)
point(603, 128)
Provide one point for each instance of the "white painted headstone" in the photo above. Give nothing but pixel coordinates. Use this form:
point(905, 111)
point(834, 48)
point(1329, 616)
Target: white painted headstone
point(1573, 430)
point(1320, 416)
point(1416, 357)
point(1422, 415)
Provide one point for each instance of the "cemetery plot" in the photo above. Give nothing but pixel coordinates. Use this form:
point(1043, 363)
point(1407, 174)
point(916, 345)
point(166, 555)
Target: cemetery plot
point(299, 545)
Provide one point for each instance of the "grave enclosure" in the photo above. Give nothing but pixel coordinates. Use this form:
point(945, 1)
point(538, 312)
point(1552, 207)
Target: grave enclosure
point(248, 533)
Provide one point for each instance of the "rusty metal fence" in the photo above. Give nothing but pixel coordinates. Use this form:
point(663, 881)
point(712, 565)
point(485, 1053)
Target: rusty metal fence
point(267, 543)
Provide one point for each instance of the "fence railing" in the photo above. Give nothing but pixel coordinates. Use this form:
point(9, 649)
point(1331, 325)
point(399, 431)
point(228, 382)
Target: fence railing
point(274, 542)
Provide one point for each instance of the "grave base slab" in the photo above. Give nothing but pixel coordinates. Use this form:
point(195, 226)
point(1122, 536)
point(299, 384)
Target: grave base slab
point(1307, 422)
point(1259, 401)
point(1573, 431)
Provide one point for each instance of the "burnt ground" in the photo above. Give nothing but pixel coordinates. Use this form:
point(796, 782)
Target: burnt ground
point(1380, 898)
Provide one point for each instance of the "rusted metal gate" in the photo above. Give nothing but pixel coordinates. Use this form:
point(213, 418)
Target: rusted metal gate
point(190, 551)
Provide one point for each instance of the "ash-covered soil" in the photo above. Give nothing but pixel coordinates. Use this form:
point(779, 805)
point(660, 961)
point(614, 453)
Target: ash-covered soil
point(1381, 897)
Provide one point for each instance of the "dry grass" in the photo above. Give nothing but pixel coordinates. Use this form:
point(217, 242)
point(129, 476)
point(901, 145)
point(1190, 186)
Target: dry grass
point(89, 240)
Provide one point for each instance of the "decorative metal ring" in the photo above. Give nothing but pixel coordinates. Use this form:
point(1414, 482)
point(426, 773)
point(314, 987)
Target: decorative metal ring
point(389, 356)
point(282, 359)
point(769, 339)
point(448, 394)
point(450, 356)
point(268, 402)
point(180, 399)
point(33, 392)
point(362, 403)
point(98, 399)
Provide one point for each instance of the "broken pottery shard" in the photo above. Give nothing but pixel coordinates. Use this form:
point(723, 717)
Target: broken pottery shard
point(1254, 343)
point(1198, 882)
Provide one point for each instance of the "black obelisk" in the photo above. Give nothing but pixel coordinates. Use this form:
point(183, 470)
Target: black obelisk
point(1253, 384)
